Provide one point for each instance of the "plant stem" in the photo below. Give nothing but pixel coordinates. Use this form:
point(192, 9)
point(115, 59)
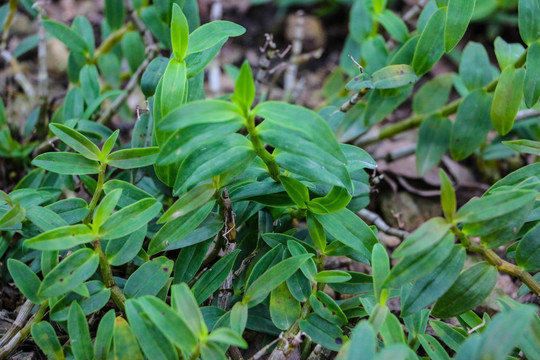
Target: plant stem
point(415, 120)
point(258, 146)
point(495, 260)
point(108, 279)
point(97, 194)
point(114, 38)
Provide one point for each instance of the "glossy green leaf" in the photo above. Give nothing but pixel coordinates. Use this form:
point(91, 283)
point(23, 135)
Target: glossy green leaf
point(507, 98)
point(149, 278)
point(423, 238)
point(297, 191)
point(66, 163)
point(448, 196)
point(77, 141)
point(45, 337)
point(432, 347)
point(106, 207)
point(472, 124)
point(66, 35)
point(244, 90)
point(338, 198)
point(507, 53)
point(349, 229)
point(79, 334)
point(316, 232)
point(115, 13)
point(185, 304)
point(528, 14)
point(239, 317)
point(212, 279)
point(169, 323)
point(380, 267)
point(332, 276)
point(89, 79)
point(531, 88)
point(430, 46)
point(179, 32)
point(528, 250)
point(188, 202)
point(457, 20)
point(104, 335)
point(153, 342)
point(227, 336)
point(133, 49)
point(362, 343)
point(173, 234)
point(284, 308)
point(189, 261)
point(360, 25)
point(96, 298)
point(271, 278)
point(125, 343)
point(129, 219)
point(133, 158)
point(494, 205)
point(392, 331)
point(62, 238)
point(44, 218)
point(213, 159)
point(452, 336)
point(26, 280)
point(121, 251)
point(207, 35)
point(429, 288)
point(130, 193)
point(92, 107)
point(12, 217)
point(470, 289)
point(421, 263)
point(433, 141)
point(432, 95)
point(524, 146)
point(393, 76)
point(393, 24)
point(151, 76)
point(327, 308)
point(321, 331)
point(70, 273)
point(475, 68)
point(173, 88)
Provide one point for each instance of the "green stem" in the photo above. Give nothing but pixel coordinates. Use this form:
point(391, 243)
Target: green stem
point(258, 146)
point(110, 42)
point(106, 273)
point(415, 120)
point(97, 194)
point(503, 266)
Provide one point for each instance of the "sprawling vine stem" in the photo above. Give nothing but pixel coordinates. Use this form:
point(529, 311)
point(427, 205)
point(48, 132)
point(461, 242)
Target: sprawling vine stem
point(415, 120)
point(495, 260)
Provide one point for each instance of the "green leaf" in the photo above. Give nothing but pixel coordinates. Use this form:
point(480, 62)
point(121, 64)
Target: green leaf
point(380, 267)
point(531, 88)
point(507, 98)
point(66, 163)
point(208, 35)
point(432, 347)
point(89, 79)
point(12, 217)
point(213, 159)
point(185, 304)
point(284, 308)
point(432, 95)
point(360, 25)
point(338, 198)
point(332, 276)
point(106, 207)
point(45, 337)
point(393, 76)
point(429, 288)
point(316, 232)
point(212, 351)
point(76, 141)
point(133, 158)
point(327, 308)
point(133, 49)
point(421, 263)
point(297, 191)
point(271, 278)
point(423, 238)
point(524, 146)
point(470, 289)
point(472, 124)
point(96, 297)
point(123, 250)
point(62, 238)
point(239, 317)
point(228, 337)
point(457, 20)
point(26, 280)
point(475, 68)
point(349, 229)
point(528, 250)
point(494, 205)
point(70, 273)
point(393, 24)
point(125, 343)
point(115, 13)
point(507, 54)
point(174, 86)
point(152, 341)
point(528, 15)
point(149, 278)
point(322, 332)
point(169, 322)
point(452, 336)
point(179, 32)
point(212, 279)
point(188, 202)
point(130, 193)
point(448, 196)
point(173, 234)
point(244, 90)
point(433, 141)
point(129, 219)
point(392, 331)
point(430, 46)
point(362, 343)
point(79, 334)
point(92, 107)
point(153, 73)
point(189, 261)
point(66, 35)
